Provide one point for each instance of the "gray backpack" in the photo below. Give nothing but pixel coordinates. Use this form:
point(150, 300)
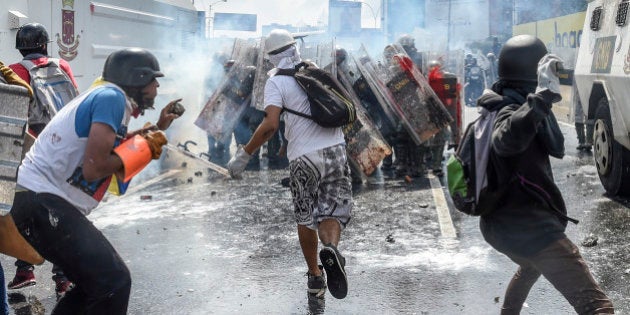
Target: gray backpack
point(467, 175)
point(52, 88)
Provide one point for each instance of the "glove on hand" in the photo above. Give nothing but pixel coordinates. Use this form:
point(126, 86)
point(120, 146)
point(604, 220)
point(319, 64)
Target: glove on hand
point(548, 79)
point(238, 162)
point(14, 79)
point(156, 140)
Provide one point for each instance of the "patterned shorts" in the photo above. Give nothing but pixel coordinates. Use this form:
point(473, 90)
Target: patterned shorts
point(321, 188)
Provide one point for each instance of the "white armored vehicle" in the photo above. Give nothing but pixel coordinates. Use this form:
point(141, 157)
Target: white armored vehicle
point(602, 75)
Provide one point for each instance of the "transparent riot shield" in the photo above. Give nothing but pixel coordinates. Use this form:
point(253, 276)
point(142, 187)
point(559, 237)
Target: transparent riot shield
point(451, 88)
point(326, 56)
point(418, 103)
point(372, 75)
point(365, 145)
point(370, 102)
point(14, 102)
point(406, 94)
point(230, 100)
point(262, 67)
point(309, 51)
point(455, 65)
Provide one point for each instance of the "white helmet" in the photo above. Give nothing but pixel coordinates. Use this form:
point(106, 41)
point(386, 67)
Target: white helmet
point(277, 40)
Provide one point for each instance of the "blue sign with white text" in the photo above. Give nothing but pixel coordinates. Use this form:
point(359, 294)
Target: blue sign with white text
point(235, 22)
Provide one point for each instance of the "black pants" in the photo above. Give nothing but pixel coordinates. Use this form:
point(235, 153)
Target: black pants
point(563, 266)
point(65, 237)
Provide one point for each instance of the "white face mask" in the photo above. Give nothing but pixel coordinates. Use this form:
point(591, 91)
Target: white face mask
point(286, 59)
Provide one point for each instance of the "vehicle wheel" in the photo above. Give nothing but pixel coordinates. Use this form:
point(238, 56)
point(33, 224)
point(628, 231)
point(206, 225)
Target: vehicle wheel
point(611, 158)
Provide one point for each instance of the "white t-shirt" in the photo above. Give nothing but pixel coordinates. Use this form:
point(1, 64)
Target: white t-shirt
point(303, 134)
point(53, 164)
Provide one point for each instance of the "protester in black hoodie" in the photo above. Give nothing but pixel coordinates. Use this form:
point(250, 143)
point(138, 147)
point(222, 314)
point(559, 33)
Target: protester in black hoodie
point(528, 224)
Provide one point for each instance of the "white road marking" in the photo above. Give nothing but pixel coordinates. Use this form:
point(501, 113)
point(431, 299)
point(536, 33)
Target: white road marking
point(565, 123)
point(441, 206)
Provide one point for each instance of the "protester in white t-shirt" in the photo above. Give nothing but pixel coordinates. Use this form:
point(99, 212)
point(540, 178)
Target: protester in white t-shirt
point(319, 171)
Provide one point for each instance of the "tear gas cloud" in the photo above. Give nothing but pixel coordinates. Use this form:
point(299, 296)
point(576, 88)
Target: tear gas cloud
point(188, 67)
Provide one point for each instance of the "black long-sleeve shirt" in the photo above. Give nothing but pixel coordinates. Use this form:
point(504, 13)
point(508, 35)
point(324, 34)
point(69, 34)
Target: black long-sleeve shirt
point(532, 214)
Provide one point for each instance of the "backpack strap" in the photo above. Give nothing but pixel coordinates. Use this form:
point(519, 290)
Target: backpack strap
point(28, 64)
point(291, 73)
point(287, 72)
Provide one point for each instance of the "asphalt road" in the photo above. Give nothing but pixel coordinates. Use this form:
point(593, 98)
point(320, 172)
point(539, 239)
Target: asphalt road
point(200, 244)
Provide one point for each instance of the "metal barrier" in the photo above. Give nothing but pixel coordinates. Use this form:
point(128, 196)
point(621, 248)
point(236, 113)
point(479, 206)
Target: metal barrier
point(14, 102)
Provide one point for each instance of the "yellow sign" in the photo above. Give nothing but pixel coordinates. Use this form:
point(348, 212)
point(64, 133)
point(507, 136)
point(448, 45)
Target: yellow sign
point(602, 56)
point(561, 32)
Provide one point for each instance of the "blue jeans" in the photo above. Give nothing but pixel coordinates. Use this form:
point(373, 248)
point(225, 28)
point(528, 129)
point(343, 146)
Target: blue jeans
point(242, 133)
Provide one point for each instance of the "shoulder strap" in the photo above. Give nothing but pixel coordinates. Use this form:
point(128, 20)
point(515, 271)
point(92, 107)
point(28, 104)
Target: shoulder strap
point(54, 61)
point(28, 64)
point(297, 113)
point(291, 73)
point(287, 72)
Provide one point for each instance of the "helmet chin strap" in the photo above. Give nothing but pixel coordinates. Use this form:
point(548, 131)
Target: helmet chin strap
point(138, 99)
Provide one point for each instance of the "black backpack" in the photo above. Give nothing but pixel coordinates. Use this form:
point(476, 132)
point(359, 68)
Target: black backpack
point(467, 170)
point(330, 107)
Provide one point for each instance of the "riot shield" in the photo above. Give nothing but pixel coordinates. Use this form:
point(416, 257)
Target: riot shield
point(230, 100)
point(455, 65)
point(406, 94)
point(262, 67)
point(372, 75)
point(326, 55)
point(422, 108)
point(452, 66)
point(365, 145)
point(309, 52)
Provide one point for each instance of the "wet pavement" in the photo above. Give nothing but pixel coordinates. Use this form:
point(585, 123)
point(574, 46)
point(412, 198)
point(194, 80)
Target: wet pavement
point(200, 244)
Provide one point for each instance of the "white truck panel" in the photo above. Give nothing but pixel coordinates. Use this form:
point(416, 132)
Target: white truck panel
point(602, 76)
point(85, 32)
point(593, 66)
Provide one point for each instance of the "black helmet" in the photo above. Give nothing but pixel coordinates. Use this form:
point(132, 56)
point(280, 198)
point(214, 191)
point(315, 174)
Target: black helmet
point(340, 55)
point(30, 36)
point(131, 67)
point(406, 40)
point(518, 59)
point(227, 65)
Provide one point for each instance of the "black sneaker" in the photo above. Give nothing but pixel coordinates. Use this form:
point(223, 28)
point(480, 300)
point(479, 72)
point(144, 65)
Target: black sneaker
point(316, 304)
point(316, 284)
point(334, 264)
